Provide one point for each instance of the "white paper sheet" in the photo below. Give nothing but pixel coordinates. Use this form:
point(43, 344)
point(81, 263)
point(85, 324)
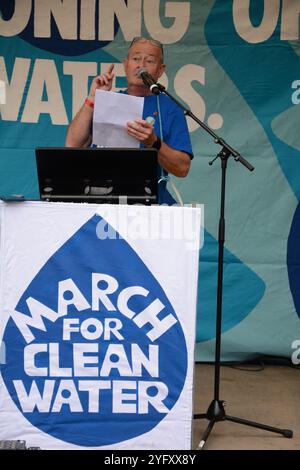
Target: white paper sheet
point(111, 113)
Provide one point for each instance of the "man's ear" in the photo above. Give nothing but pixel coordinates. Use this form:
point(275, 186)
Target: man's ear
point(125, 64)
point(161, 70)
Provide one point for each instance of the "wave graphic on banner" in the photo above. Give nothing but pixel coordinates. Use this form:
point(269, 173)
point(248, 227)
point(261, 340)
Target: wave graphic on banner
point(90, 355)
point(248, 290)
point(252, 68)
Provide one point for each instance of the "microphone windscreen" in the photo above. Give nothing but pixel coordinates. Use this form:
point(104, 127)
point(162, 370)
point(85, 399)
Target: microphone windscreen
point(140, 72)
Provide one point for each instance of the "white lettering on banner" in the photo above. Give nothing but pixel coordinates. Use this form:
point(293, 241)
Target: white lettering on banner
point(64, 13)
point(44, 75)
point(271, 11)
point(76, 298)
point(187, 75)
point(41, 401)
point(14, 89)
point(87, 20)
point(296, 94)
point(143, 404)
point(71, 398)
point(115, 358)
point(290, 20)
point(149, 315)
point(180, 11)
point(119, 403)
point(101, 294)
point(150, 363)
point(112, 326)
point(156, 401)
point(93, 388)
point(30, 352)
point(55, 370)
point(18, 21)
point(37, 310)
point(86, 355)
point(296, 354)
point(129, 15)
point(80, 73)
point(68, 288)
point(244, 26)
point(2, 92)
point(34, 399)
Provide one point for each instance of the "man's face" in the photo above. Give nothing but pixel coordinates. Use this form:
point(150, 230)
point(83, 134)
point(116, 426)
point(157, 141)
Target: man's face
point(143, 55)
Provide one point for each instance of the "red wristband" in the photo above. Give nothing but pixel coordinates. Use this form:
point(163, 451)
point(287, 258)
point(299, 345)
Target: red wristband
point(89, 103)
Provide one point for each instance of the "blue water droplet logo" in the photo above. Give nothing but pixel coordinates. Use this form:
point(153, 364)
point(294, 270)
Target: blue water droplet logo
point(88, 366)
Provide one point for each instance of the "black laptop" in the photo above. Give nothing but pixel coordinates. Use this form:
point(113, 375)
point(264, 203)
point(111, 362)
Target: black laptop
point(98, 175)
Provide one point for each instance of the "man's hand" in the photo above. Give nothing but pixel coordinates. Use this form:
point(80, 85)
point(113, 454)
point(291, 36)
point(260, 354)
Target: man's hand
point(142, 131)
point(102, 82)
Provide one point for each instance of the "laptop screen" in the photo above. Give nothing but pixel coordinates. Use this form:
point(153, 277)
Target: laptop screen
point(98, 175)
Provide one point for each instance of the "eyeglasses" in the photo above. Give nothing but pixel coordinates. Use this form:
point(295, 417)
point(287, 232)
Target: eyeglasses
point(154, 41)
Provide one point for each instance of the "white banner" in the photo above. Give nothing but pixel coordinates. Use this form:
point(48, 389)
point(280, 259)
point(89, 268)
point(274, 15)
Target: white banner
point(98, 311)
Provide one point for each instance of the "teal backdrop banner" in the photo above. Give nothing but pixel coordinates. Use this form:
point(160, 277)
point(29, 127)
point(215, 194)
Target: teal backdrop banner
point(235, 64)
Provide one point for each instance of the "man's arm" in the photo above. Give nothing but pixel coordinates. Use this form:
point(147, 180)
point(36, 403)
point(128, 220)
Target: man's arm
point(79, 130)
point(173, 161)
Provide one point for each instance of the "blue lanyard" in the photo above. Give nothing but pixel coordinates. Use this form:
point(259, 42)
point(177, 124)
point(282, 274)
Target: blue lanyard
point(163, 177)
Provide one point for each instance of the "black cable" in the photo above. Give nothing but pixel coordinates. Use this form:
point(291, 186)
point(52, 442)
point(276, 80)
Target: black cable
point(257, 365)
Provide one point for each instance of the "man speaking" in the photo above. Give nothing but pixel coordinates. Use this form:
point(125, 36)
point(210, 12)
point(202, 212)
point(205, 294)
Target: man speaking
point(163, 126)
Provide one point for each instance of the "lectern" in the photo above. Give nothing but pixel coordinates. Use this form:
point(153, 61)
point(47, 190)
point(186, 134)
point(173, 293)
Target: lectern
point(98, 175)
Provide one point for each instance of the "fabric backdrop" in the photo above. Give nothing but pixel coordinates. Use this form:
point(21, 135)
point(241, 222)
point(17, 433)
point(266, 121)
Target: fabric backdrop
point(235, 63)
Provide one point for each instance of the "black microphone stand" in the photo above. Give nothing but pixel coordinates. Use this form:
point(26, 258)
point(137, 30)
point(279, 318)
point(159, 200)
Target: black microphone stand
point(215, 411)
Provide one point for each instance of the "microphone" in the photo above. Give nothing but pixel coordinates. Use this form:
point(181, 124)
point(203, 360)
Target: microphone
point(149, 81)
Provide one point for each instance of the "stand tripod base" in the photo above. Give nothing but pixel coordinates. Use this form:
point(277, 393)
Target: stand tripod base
point(217, 413)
